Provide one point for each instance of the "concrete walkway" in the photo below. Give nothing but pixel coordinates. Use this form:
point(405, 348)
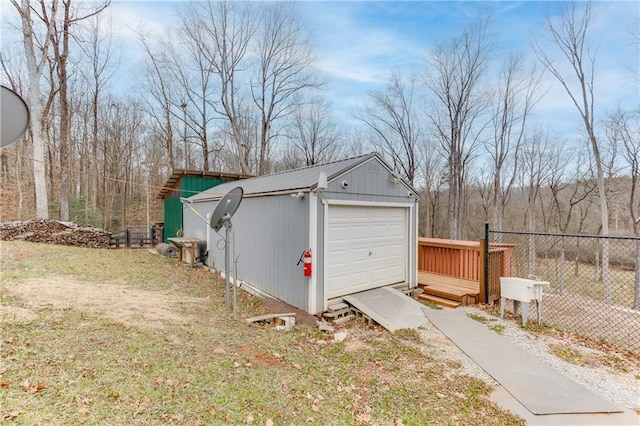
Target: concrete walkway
point(528, 387)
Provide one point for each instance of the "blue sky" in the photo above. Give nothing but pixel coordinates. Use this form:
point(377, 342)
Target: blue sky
point(359, 43)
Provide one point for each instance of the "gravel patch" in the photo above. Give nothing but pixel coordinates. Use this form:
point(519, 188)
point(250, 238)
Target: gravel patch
point(619, 385)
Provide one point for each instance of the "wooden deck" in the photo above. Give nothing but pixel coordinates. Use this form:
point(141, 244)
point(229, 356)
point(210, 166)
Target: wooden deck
point(447, 290)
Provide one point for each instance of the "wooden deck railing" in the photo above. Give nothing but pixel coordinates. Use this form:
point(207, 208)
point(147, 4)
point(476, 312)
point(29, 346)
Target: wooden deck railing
point(464, 259)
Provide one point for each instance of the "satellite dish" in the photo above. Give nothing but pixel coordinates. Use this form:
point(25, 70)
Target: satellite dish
point(226, 207)
point(14, 115)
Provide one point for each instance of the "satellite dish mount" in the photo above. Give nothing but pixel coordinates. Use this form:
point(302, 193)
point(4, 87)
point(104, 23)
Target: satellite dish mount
point(220, 217)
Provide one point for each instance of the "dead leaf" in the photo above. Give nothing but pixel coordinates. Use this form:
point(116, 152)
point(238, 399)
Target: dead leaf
point(32, 388)
point(363, 418)
point(219, 351)
point(269, 422)
point(250, 419)
point(173, 417)
point(83, 400)
point(315, 408)
point(3, 370)
point(114, 394)
point(297, 366)
point(4, 385)
point(9, 416)
point(142, 405)
point(236, 364)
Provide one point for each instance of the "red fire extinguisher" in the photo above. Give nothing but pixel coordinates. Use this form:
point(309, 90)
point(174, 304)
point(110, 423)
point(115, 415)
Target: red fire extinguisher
point(306, 258)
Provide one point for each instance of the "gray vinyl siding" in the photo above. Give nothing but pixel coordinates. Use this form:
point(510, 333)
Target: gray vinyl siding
point(369, 182)
point(270, 235)
point(193, 226)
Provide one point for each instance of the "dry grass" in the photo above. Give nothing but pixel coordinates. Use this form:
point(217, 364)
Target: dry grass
point(129, 337)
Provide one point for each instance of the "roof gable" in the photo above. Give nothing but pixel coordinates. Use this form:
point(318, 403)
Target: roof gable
point(305, 178)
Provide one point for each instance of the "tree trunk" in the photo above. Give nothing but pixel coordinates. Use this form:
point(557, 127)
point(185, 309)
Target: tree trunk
point(35, 66)
point(636, 294)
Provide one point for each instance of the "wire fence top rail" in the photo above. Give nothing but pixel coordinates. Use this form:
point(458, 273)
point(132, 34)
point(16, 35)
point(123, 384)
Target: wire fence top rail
point(551, 234)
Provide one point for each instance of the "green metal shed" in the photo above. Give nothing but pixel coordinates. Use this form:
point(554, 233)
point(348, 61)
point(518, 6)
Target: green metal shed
point(185, 183)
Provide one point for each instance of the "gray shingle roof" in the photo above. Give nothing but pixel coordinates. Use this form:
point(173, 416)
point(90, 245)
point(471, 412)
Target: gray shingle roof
point(297, 179)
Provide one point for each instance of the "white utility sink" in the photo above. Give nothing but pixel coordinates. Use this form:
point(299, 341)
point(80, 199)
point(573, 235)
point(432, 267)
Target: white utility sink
point(521, 290)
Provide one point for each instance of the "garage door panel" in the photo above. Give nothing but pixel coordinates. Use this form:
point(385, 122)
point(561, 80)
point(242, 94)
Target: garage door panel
point(367, 248)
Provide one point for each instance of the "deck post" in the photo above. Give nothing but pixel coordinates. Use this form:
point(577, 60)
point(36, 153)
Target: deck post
point(481, 271)
point(484, 264)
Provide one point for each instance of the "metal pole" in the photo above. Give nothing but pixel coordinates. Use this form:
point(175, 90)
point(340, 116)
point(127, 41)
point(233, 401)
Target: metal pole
point(235, 278)
point(227, 261)
point(486, 262)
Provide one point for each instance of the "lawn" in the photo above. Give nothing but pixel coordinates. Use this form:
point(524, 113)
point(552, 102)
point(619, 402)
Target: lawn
point(93, 336)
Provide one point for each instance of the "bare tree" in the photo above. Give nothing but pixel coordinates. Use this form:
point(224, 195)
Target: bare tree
point(60, 37)
point(120, 138)
point(193, 72)
point(284, 70)
point(226, 29)
point(313, 131)
point(570, 37)
point(433, 174)
point(517, 93)
point(103, 55)
point(569, 187)
point(457, 68)
point(394, 123)
point(36, 47)
point(158, 85)
point(537, 156)
point(624, 129)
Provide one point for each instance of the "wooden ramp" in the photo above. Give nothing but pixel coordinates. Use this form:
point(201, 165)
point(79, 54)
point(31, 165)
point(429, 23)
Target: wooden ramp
point(447, 290)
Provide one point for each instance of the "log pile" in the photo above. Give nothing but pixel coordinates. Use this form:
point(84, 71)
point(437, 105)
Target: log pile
point(55, 232)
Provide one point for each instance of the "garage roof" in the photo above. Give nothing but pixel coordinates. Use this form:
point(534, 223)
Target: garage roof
point(292, 180)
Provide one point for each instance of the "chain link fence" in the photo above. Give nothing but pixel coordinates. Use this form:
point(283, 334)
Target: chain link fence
point(586, 296)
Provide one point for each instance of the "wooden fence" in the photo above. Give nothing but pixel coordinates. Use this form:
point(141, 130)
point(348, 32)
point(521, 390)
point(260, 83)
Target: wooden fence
point(136, 237)
point(465, 259)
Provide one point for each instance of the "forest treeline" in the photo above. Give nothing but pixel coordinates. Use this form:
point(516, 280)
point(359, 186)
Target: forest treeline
point(235, 87)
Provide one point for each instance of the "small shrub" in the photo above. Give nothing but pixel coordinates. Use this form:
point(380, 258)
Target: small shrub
point(477, 317)
point(567, 353)
point(498, 328)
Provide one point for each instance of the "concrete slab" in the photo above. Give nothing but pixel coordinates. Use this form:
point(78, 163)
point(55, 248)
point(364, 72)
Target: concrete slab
point(535, 385)
point(506, 401)
point(389, 307)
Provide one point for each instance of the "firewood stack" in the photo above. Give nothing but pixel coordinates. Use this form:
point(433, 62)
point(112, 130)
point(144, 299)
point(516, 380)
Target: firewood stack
point(55, 232)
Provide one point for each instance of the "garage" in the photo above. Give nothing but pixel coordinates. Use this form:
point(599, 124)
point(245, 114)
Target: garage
point(355, 219)
point(366, 248)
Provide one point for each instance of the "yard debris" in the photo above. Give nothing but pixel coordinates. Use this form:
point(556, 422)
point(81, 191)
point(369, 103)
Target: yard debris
point(268, 317)
point(340, 336)
point(324, 326)
point(284, 323)
point(55, 232)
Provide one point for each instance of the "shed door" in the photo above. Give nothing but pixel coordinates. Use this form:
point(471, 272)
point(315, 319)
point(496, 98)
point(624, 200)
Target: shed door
point(366, 248)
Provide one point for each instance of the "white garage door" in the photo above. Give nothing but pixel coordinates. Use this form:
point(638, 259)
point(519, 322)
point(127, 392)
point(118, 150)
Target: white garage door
point(366, 248)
